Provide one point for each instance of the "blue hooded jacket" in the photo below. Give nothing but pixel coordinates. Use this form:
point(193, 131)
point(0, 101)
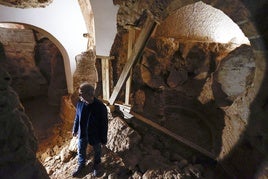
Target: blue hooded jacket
point(91, 121)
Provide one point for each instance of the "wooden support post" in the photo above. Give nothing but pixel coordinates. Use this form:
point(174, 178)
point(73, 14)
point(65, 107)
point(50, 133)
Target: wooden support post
point(105, 78)
point(105, 65)
point(175, 136)
point(144, 36)
point(131, 38)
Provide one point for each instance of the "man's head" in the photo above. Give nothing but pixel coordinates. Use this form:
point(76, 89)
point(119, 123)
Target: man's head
point(86, 93)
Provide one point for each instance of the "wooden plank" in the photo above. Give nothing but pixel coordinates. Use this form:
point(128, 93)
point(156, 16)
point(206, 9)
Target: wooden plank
point(124, 107)
point(105, 78)
point(128, 87)
point(104, 57)
point(144, 36)
point(131, 38)
point(175, 136)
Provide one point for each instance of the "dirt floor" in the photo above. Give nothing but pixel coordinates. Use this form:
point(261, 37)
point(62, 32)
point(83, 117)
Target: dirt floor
point(47, 126)
point(45, 119)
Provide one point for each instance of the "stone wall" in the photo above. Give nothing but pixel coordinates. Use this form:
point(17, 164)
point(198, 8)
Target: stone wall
point(49, 60)
point(177, 79)
point(26, 4)
point(35, 64)
point(85, 72)
point(241, 114)
point(19, 47)
point(18, 141)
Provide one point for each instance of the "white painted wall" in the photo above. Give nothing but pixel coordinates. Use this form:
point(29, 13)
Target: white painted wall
point(105, 25)
point(62, 19)
point(63, 23)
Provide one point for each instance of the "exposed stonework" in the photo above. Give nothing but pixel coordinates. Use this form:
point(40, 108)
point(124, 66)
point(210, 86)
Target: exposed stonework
point(235, 73)
point(19, 61)
point(67, 110)
point(85, 70)
point(201, 22)
point(194, 77)
point(50, 62)
point(127, 154)
point(26, 4)
point(37, 65)
point(238, 125)
point(18, 142)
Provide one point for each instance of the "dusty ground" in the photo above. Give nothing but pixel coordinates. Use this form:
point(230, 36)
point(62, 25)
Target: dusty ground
point(52, 141)
point(47, 124)
point(45, 119)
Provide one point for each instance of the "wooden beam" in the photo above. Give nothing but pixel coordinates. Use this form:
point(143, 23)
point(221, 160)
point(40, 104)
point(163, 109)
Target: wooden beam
point(125, 109)
point(131, 38)
point(175, 136)
point(104, 57)
point(105, 64)
point(105, 75)
point(144, 36)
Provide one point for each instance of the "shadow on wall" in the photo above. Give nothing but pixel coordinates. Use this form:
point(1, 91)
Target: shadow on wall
point(181, 105)
point(167, 91)
point(215, 113)
point(250, 156)
point(50, 61)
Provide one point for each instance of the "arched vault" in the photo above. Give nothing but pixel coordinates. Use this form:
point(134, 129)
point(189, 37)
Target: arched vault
point(69, 24)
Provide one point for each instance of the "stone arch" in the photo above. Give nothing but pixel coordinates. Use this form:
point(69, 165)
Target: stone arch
point(252, 105)
point(203, 25)
point(53, 66)
point(251, 143)
point(63, 51)
point(57, 44)
point(70, 37)
point(201, 22)
point(243, 19)
point(241, 16)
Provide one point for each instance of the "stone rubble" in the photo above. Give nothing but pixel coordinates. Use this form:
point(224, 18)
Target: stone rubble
point(125, 156)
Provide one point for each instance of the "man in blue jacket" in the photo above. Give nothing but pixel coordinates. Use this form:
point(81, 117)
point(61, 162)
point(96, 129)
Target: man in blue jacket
point(90, 126)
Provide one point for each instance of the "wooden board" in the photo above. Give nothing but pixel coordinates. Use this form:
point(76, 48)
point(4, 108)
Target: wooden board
point(105, 64)
point(175, 136)
point(144, 36)
point(131, 38)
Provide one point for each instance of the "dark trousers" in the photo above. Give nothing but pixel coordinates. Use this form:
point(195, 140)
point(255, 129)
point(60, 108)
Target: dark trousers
point(82, 151)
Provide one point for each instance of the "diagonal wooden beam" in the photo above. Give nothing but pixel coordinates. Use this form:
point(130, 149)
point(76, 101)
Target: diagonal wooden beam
point(175, 136)
point(144, 36)
point(131, 38)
